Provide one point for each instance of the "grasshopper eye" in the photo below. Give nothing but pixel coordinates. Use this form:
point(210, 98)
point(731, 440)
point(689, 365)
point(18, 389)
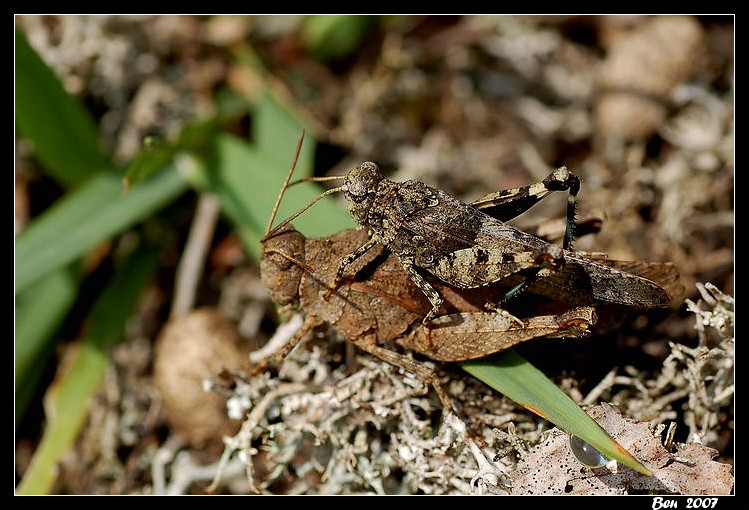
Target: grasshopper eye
point(358, 191)
point(362, 180)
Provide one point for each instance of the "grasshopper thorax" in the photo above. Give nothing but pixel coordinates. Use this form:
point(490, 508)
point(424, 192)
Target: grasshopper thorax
point(361, 188)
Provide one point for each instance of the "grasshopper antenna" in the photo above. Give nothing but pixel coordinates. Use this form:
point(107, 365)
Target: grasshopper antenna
point(287, 183)
point(316, 179)
point(299, 212)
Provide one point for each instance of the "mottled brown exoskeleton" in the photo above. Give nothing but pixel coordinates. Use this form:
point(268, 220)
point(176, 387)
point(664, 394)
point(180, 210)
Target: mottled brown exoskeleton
point(380, 305)
point(470, 246)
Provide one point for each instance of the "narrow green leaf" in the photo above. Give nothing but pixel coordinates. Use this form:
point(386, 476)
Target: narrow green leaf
point(247, 181)
point(68, 399)
point(40, 310)
point(95, 212)
point(195, 138)
point(64, 136)
point(276, 134)
point(147, 163)
point(516, 378)
point(230, 105)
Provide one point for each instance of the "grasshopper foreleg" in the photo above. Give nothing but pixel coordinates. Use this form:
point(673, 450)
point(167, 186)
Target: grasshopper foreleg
point(429, 291)
point(346, 261)
point(309, 324)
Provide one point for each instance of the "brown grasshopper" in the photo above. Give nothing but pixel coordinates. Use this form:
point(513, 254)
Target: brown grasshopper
point(381, 305)
point(470, 246)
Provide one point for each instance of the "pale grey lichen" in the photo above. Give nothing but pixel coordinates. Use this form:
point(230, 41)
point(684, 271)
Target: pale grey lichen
point(699, 379)
point(377, 430)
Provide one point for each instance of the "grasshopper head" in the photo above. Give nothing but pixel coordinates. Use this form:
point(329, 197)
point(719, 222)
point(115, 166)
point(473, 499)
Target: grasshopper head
point(361, 188)
point(280, 265)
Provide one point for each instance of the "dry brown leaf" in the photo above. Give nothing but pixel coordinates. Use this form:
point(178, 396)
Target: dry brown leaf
point(551, 467)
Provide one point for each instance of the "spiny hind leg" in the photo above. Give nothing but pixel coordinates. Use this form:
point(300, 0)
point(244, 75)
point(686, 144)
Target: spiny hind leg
point(546, 262)
point(498, 306)
point(507, 204)
point(477, 266)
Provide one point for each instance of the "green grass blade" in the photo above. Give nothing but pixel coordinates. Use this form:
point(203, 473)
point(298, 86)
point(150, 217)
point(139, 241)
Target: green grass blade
point(67, 400)
point(247, 181)
point(194, 139)
point(516, 378)
point(40, 310)
point(276, 134)
point(64, 137)
point(90, 215)
point(147, 163)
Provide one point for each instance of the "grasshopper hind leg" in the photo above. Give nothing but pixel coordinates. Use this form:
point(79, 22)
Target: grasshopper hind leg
point(548, 261)
point(569, 233)
point(507, 204)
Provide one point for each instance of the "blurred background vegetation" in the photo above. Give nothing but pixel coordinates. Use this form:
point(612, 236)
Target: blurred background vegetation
point(124, 124)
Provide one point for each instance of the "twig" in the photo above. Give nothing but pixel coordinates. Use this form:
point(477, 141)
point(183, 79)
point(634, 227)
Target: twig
point(193, 258)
